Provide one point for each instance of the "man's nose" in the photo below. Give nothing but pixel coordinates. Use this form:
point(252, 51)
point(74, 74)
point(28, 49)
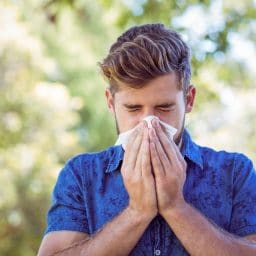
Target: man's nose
point(147, 112)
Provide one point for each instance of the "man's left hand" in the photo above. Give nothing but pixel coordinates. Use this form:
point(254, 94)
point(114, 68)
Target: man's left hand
point(169, 168)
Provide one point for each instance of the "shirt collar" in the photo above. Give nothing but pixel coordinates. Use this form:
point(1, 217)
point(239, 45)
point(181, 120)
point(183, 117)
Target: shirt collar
point(115, 157)
point(190, 150)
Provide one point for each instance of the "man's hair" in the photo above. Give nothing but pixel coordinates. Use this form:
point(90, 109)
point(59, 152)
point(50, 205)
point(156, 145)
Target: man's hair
point(145, 52)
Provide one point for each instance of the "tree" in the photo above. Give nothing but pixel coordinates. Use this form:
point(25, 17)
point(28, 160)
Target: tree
point(36, 136)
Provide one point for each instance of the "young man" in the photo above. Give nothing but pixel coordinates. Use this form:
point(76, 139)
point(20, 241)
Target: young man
point(158, 196)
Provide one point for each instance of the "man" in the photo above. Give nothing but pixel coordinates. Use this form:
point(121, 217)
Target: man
point(158, 196)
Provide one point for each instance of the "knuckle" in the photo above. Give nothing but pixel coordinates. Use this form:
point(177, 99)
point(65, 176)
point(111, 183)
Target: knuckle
point(134, 181)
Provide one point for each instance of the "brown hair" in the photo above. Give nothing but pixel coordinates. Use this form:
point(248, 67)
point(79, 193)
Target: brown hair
point(145, 52)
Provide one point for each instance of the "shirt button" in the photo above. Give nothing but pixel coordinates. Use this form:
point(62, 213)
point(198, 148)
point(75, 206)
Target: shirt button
point(157, 252)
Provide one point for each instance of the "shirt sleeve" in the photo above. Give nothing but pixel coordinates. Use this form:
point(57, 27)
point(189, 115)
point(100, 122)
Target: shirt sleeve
point(67, 211)
point(243, 219)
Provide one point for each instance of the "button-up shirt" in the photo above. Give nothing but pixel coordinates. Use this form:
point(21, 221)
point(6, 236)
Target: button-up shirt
point(90, 192)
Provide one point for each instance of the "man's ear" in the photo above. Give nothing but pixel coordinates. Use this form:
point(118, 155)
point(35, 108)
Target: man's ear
point(190, 98)
point(110, 100)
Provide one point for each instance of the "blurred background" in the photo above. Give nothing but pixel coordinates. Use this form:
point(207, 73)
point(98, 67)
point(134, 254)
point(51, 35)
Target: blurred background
point(52, 102)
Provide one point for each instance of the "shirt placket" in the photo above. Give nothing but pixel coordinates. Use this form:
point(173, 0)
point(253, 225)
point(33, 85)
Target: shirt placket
point(157, 238)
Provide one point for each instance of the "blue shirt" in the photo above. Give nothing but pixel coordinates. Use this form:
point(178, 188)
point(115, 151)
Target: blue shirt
point(90, 192)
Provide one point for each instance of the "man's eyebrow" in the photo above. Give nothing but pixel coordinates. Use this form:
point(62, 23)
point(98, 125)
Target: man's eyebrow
point(166, 105)
point(163, 105)
point(127, 105)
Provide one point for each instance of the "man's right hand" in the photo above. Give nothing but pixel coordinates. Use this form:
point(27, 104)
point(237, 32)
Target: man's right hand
point(137, 174)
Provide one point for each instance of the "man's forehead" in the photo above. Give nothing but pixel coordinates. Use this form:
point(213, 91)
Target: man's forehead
point(135, 96)
point(133, 101)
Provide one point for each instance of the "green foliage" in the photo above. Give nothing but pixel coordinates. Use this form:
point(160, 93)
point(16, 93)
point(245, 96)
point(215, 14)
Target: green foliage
point(36, 137)
point(52, 96)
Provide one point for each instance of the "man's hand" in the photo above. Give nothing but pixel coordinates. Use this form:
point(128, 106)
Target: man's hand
point(169, 169)
point(137, 174)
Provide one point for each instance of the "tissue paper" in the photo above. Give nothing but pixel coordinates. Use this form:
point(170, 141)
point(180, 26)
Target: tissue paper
point(123, 138)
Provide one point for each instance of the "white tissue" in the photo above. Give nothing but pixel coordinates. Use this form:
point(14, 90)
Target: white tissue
point(123, 138)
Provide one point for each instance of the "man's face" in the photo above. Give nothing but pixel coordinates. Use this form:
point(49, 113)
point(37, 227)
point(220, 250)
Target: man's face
point(160, 97)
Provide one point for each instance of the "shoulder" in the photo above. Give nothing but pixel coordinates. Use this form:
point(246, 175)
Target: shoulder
point(211, 154)
point(208, 153)
point(233, 162)
point(83, 168)
point(213, 159)
point(92, 161)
